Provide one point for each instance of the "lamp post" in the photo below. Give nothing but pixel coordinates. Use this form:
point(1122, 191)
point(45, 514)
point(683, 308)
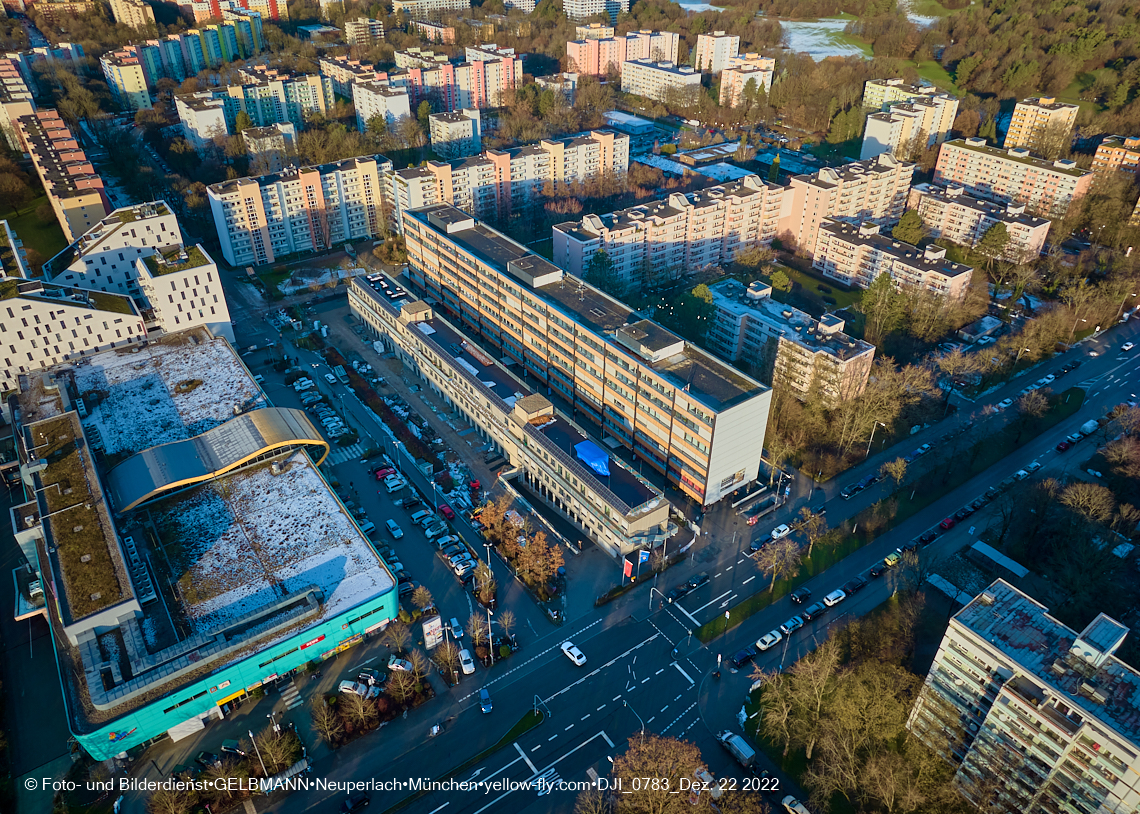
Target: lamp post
point(273, 717)
point(490, 637)
point(1073, 332)
point(1120, 312)
point(634, 711)
point(259, 760)
point(872, 438)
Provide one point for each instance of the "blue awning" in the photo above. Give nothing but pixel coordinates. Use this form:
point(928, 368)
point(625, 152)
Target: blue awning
point(594, 457)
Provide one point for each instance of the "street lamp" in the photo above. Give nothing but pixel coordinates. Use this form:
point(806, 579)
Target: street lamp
point(634, 711)
point(490, 636)
point(1120, 312)
point(259, 760)
point(273, 717)
point(1073, 332)
point(872, 438)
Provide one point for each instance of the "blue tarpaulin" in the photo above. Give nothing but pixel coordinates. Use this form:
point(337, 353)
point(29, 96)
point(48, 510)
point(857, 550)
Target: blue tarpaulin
point(593, 456)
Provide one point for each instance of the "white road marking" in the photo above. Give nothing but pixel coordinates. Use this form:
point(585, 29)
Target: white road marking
point(587, 715)
point(524, 757)
point(552, 737)
point(615, 698)
point(623, 655)
point(749, 579)
point(536, 748)
point(659, 672)
point(686, 675)
point(603, 706)
point(710, 602)
point(440, 808)
point(567, 729)
point(692, 618)
point(647, 723)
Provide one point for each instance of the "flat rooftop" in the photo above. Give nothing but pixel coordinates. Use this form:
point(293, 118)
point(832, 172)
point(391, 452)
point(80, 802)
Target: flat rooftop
point(1007, 213)
point(1027, 635)
point(175, 388)
point(701, 375)
point(977, 145)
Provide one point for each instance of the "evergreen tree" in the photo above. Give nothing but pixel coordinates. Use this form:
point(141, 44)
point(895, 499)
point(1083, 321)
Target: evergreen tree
point(909, 228)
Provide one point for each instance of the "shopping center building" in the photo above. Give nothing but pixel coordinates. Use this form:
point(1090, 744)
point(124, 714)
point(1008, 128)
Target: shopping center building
point(182, 543)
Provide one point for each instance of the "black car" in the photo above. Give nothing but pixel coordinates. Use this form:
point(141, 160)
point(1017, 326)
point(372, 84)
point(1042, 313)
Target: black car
point(759, 543)
point(979, 503)
point(678, 593)
point(992, 492)
point(851, 490)
point(207, 759)
point(742, 657)
point(854, 585)
point(800, 595)
point(877, 570)
point(815, 611)
point(928, 537)
point(409, 502)
point(699, 580)
point(357, 802)
point(911, 546)
point(963, 513)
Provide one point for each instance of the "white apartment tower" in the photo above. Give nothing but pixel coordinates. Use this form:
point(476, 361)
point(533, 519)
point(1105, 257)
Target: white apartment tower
point(714, 51)
point(659, 81)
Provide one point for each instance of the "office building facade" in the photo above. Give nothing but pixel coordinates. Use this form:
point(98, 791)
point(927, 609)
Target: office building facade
point(714, 50)
point(1047, 188)
point(689, 416)
point(872, 191)
point(653, 243)
point(952, 214)
point(857, 254)
point(310, 209)
point(1033, 716)
point(1041, 125)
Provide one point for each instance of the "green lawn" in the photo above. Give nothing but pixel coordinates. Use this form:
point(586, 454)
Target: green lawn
point(929, 8)
point(935, 73)
point(45, 238)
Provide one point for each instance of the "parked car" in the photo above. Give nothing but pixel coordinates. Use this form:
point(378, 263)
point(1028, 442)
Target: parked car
point(877, 570)
point(1127, 346)
point(403, 665)
point(466, 663)
point(742, 657)
point(834, 598)
point(446, 540)
point(357, 802)
point(892, 559)
point(394, 529)
point(699, 580)
point(854, 585)
point(456, 628)
point(781, 531)
point(207, 759)
point(446, 511)
point(962, 514)
point(1004, 403)
point(792, 625)
point(1033, 467)
point(384, 472)
point(419, 516)
point(814, 611)
point(1064, 445)
point(794, 806)
point(948, 523)
point(356, 688)
point(769, 640)
point(851, 490)
point(678, 593)
point(330, 378)
point(394, 485)
point(800, 595)
point(574, 654)
point(410, 501)
point(927, 537)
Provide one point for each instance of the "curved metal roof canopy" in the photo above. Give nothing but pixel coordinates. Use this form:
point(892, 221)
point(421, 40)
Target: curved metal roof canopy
point(179, 464)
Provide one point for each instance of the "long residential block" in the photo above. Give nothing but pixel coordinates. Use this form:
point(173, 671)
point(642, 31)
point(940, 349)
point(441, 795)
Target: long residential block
point(660, 81)
point(688, 415)
point(1047, 188)
point(879, 92)
point(856, 255)
point(621, 511)
point(874, 190)
point(343, 72)
point(652, 243)
point(581, 10)
point(1118, 153)
point(597, 56)
point(311, 209)
point(1049, 711)
point(428, 9)
point(950, 213)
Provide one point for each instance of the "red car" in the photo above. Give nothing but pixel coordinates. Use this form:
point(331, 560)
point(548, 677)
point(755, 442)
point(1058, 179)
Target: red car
point(948, 523)
point(446, 511)
point(1061, 447)
point(384, 472)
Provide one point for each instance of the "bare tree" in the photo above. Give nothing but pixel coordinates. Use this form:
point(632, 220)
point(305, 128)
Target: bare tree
point(447, 657)
point(358, 710)
point(278, 750)
point(421, 665)
point(1030, 407)
point(1091, 500)
point(168, 801)
point(477, 628)
point(422, 598)
point(401, 685)
point(778, 559)
point(665, 758)
point(812, 680)
point(506, 620)
point(778, 707)
point(397, 635)
point(895, 470)
point(594, 801)
point(813, 525)
point(326, 723)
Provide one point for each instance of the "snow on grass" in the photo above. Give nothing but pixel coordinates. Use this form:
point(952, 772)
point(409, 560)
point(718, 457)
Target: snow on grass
point(142, 404)
point(252, 538)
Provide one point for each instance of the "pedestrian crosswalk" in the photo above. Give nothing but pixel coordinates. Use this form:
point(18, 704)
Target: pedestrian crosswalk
point(291, 697)
point(341, 454)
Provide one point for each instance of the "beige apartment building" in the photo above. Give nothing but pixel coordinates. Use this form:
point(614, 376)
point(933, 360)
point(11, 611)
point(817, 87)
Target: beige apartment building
point(857, 254)
point(434, 32)
point(363, 31)
point(455, 135)
point(652, 243)
point(74, 190)
point(1050, 711)
point(270, 148)
point(621, 511)
point(1043, 126)
point(739, 71)
point(1118, 153)
point(15, 101)
point(874, 190)
point(879, 92)
point(429, 9)
point(714, 51)
point(1047, 188)
point(948, 212)
point(307, 209)
point(660, 81)
point(906, 129)
point(689, 416)
point(789, 346)
point(133, 13)
point(342, 72)
point(593, 31)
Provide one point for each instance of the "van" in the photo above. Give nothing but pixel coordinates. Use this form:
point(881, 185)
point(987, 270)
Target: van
point(420, 515)
point(394, 485)
point(259, 379)
point(368, 527)
point(738, 747)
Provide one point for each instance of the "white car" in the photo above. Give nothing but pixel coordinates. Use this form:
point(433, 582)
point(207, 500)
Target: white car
point(456, 628)
point(466, 663)
point(768, 640)
point(834, 598)
point(394, 529)
point(1004, 403)
point(780, 531)
point(403, 665)
point(794, 806)
point(330, 378)
point(394, 485)
point(574, 654)
point(1127, 346)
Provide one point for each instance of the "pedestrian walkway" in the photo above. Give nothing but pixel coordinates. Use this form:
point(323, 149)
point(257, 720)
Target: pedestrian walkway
point(341, 454)
point(291, 697)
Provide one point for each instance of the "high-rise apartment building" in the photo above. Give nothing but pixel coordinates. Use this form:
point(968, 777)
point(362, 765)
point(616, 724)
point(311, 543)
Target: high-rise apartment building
point(580, 10)
point(301, 210)
point(873, 191)
point(434, 32)
point(686, 414)
point(477, 83)
point(428, 9)
point(906, 129)
point(652, 243)
point(1042, 125)
point(1118, 153)
point(342, 72)
point(419, 58)
point(133, 13)
point(660, 81)
point(70, 54)
point(879, 92)
point(363, 31)
point(1047, 188)
point(455, 135)
point(74, 190)
point(55, 10)
point(1034, 716)
point(800, 352)
point(741, 70)
point(379, 99)
point(857, 254)
point(597, 56)
point(127, 78)
point(950, 213)
point(247, 25)
point(203, 10)
point(593, 31)
point(270, 148)
point(714, 50)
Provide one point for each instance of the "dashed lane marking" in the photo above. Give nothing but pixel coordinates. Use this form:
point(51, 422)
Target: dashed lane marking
point(678, 718)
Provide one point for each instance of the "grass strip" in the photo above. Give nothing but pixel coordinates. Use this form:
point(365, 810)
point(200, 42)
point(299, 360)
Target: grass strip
point(895, 509)
point(524, 725)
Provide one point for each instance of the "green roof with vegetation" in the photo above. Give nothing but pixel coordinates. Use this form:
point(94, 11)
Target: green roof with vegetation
point(9, 289)
point(194, 259)
point(115, 303)
point(82, 535)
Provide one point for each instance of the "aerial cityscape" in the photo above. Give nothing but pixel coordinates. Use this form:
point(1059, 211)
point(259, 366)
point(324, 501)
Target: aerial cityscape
point(570, 407)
